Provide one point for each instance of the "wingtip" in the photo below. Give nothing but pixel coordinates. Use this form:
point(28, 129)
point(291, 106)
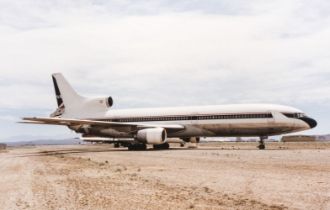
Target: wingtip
point(30, 122)
point(28, 118)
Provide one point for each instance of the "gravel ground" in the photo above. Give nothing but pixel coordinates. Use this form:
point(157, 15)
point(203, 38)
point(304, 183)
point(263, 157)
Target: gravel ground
point(214, 176)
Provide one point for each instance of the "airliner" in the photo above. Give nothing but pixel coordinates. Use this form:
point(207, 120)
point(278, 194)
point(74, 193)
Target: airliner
point(96, 120)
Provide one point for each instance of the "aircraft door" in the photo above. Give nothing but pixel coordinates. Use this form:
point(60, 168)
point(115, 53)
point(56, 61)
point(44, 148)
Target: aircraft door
point(271, 120)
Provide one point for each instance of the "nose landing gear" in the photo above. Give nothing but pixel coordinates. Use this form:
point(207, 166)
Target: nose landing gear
point(262, 142)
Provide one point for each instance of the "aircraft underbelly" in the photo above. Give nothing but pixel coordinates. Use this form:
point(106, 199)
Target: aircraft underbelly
point(235, 129)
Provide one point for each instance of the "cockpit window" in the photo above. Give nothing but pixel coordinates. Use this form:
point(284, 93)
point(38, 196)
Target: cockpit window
point(294, 115)
point(300, 115)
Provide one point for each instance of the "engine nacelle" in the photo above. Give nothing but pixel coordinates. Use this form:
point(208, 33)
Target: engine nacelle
point(152, 135)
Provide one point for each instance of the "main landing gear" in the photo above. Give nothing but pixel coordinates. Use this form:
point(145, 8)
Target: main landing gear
point(137, 146)
point(141, 146)
point(262, 142)
point(161, 146)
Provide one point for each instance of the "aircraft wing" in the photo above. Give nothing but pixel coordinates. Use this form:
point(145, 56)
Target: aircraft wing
point(72, 122)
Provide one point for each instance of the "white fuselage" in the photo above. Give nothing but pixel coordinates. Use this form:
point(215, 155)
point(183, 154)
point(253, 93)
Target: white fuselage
point(221, 120)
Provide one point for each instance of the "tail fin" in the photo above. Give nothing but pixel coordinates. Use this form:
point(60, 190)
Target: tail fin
point(64, 92)
point(67, 98)
point(70, 104)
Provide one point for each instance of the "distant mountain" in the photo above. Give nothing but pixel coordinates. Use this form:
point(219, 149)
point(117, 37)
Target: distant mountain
point(35, 137)
point(40, 140)
point(323, 137)
point(45, 142)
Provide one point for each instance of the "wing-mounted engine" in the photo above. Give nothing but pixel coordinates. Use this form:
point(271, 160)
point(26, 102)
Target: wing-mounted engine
point(152, 135)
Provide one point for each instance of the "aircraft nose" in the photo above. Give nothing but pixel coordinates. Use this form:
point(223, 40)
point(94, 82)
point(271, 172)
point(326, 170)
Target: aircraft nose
point(310, 121)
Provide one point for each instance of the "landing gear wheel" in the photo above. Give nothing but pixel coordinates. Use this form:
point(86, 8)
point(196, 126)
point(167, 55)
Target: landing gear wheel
point(143, 146)
point(137, 147)
point(262, 143)
point(261, 146)
point(161, 146)
point(166, 146)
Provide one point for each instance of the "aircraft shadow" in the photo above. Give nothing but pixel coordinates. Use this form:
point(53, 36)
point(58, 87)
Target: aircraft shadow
point(57, 152)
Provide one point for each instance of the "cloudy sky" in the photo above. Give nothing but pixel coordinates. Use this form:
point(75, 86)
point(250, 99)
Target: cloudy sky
point(164, 53)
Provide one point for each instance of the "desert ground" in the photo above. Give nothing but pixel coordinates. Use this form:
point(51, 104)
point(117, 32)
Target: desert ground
point(214, 176)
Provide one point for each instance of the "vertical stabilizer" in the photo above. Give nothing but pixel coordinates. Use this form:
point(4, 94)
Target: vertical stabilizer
point(66, 97)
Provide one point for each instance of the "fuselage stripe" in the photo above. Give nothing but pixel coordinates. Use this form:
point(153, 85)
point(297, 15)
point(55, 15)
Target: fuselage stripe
point(190, 117)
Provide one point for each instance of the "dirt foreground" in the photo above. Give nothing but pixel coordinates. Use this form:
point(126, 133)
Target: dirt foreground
point(101, 177)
